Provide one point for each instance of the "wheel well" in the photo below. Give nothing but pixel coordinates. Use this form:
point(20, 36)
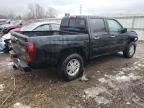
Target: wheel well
point(132, 40)
point(68, 51)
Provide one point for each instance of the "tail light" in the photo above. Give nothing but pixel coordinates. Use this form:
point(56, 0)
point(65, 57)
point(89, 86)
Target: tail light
point(30, 50)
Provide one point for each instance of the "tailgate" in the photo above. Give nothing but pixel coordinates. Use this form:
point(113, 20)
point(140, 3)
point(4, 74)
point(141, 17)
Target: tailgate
point(18, 44)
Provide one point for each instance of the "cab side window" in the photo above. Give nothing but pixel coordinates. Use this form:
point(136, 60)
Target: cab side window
point(97, 25)
point(114, 26)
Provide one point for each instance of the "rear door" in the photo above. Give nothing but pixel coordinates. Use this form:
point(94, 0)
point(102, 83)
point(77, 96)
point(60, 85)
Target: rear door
point(99, 35)
point(118, 38)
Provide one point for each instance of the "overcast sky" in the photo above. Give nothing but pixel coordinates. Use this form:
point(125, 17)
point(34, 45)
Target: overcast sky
point(89, 7)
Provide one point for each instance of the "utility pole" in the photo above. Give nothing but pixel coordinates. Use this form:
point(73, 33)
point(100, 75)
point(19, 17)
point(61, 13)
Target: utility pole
point(80, 9)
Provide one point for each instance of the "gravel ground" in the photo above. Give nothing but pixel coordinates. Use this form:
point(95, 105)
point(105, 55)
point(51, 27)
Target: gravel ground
point(109, 82)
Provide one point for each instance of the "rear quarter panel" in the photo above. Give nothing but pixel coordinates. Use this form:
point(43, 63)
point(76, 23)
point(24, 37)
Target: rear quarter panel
point(49, 48)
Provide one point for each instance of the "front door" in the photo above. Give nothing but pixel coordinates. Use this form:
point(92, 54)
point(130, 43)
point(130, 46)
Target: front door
point(118, 38)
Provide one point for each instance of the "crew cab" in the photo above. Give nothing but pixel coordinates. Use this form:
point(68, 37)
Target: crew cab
point(81, 38)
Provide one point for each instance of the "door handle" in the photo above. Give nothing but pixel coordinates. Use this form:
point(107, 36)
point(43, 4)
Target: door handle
point(112, 36)
point(96, 37)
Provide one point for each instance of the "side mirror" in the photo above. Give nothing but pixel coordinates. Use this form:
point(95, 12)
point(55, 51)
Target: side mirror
point(124, 30)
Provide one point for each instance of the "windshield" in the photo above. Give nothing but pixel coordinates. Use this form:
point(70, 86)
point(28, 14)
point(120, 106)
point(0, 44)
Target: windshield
point(29, 27)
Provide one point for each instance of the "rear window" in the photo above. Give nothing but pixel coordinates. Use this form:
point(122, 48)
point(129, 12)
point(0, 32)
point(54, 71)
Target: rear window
point(64, 22)
point(73, 23)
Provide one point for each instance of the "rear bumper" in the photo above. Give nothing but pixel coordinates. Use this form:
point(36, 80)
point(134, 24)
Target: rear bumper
point(19, 64)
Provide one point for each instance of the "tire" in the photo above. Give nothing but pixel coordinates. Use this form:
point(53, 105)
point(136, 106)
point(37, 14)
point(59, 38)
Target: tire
point(130, 50)
point(70, 67)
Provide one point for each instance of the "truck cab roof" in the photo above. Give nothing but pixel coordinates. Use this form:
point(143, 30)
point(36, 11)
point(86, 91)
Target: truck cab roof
point(85, 16)
point(77, 23)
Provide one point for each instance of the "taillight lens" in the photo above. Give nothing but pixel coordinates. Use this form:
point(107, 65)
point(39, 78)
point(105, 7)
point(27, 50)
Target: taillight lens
point(30, 50)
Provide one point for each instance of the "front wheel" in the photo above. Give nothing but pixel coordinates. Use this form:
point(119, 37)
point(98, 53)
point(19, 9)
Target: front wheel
point(71, 67)
point(130, 50)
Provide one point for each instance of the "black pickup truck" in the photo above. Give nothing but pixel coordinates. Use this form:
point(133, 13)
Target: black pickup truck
point(80, 38)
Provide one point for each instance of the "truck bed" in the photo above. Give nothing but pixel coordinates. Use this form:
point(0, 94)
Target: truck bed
point(48, 45)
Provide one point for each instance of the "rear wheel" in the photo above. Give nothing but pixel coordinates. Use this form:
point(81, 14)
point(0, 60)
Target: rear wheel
point(71, 67)
point(130, 50)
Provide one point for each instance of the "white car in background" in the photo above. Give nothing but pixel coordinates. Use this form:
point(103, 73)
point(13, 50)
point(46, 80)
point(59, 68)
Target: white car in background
point(37, 26)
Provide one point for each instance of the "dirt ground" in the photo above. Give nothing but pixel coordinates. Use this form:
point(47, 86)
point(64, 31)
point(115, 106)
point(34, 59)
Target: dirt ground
point(113, 82)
